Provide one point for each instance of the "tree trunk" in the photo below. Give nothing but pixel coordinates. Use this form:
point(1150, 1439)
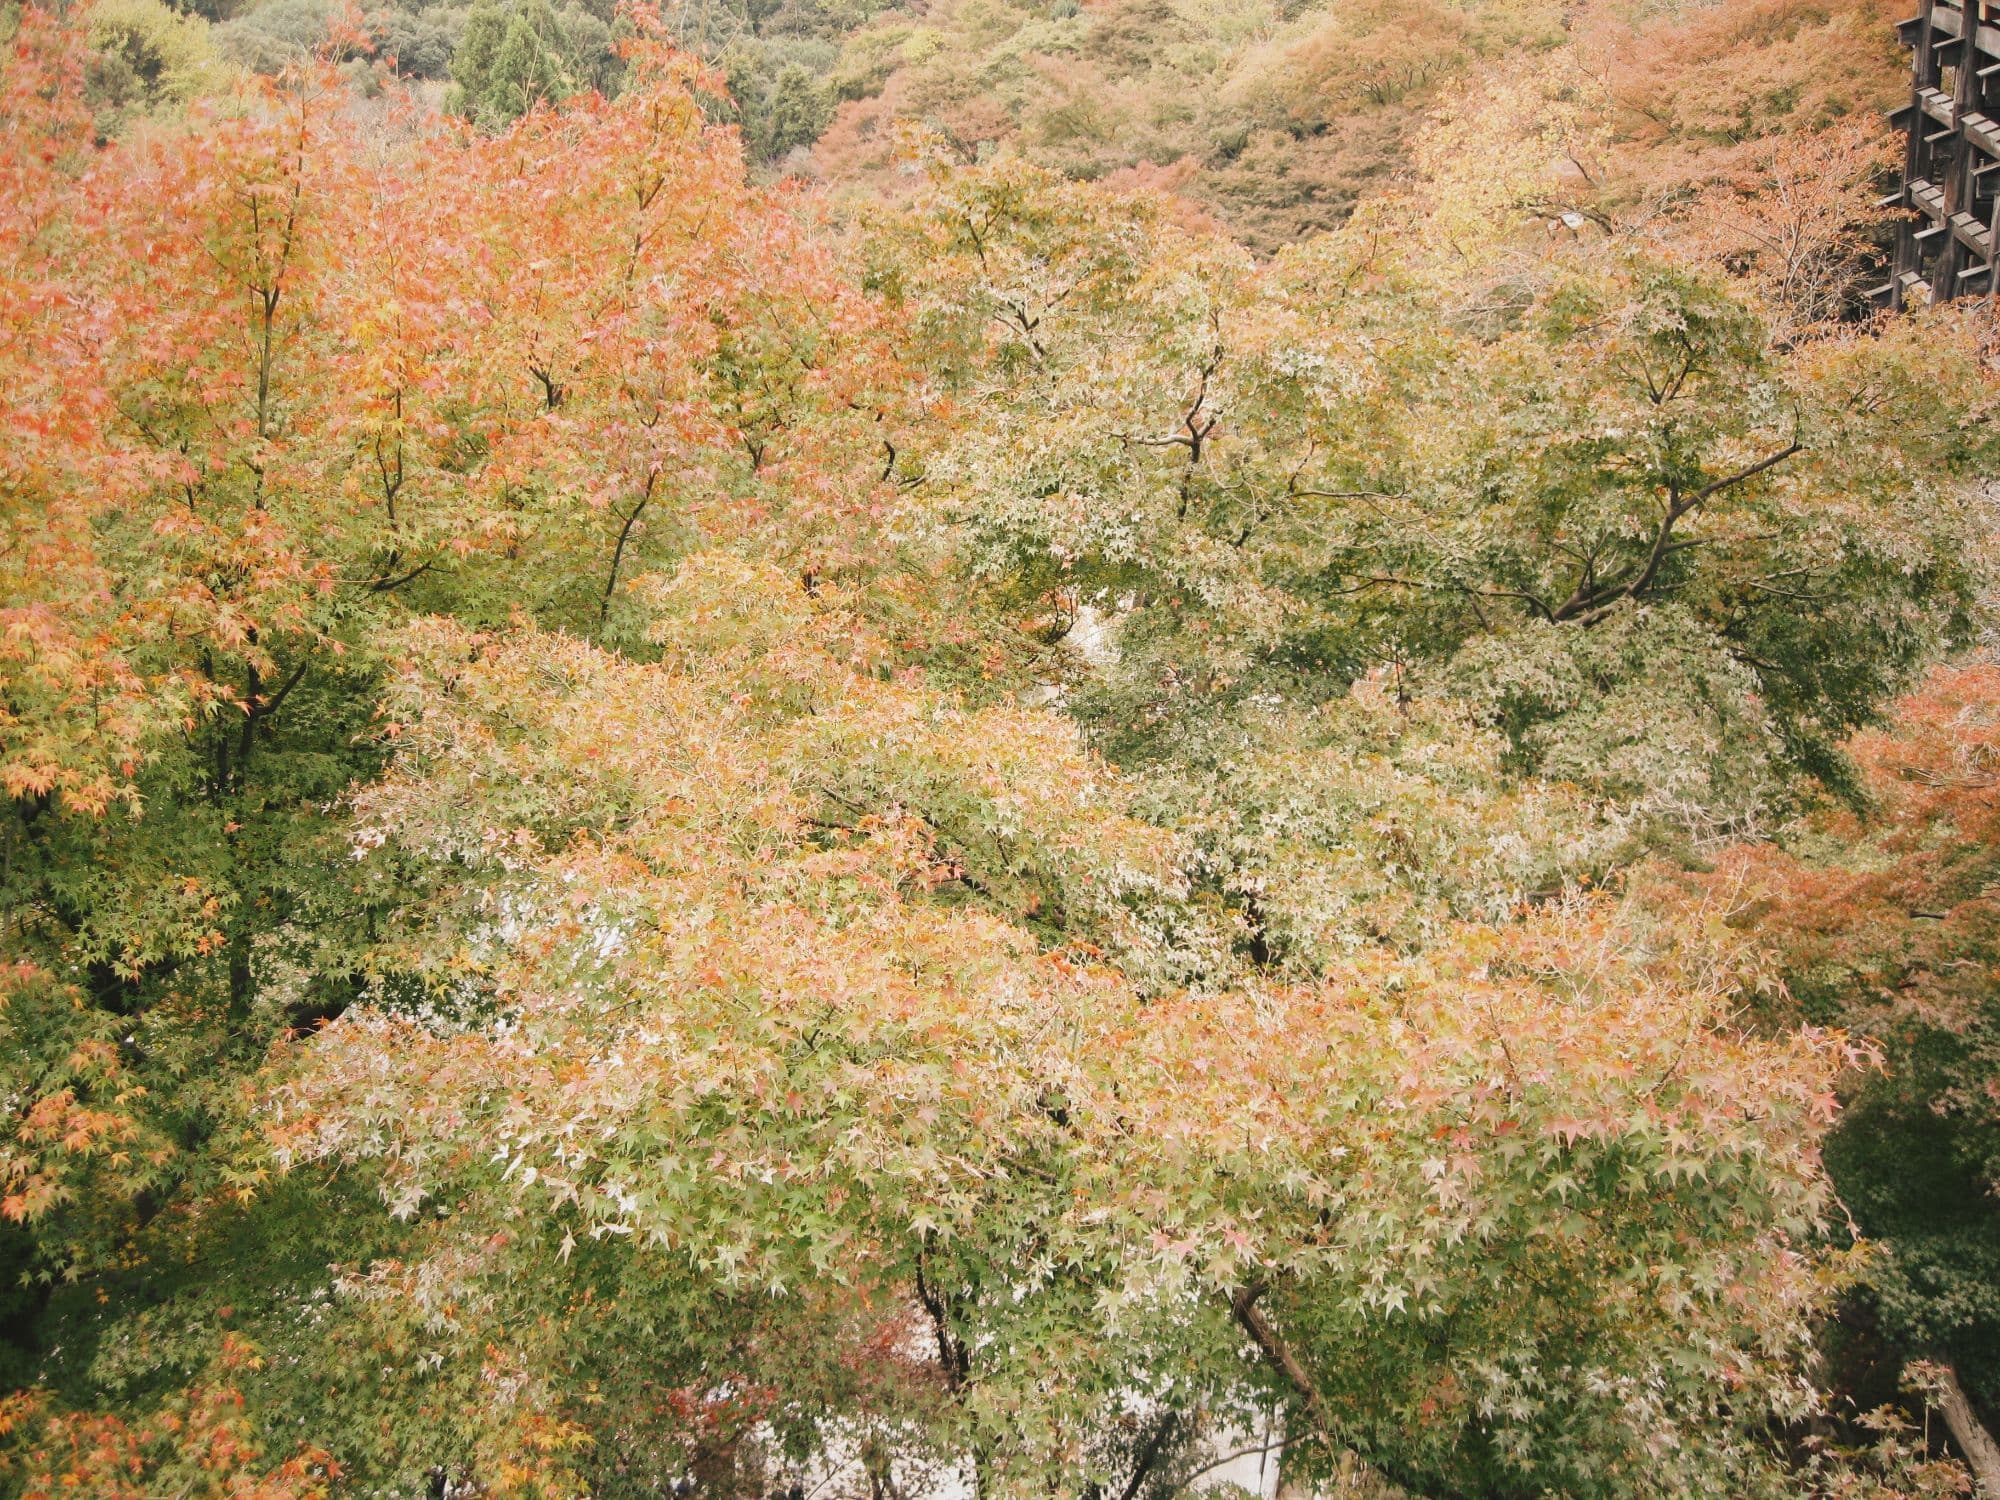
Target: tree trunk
point(1975, 1443)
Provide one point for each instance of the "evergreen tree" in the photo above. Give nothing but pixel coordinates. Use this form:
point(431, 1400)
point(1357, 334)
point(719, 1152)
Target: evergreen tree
point(798, 110)
point(510, 61)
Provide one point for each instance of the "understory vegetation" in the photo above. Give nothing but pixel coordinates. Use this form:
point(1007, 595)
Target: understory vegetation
point(838, 749)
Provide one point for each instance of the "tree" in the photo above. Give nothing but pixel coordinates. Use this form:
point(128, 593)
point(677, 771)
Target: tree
point(1804, 224)
point(511, 58)
point(1591, 511)
point(145, 58)
point(796, 113)
point(1883, 921)
point(255, 423)
point(777, 1025)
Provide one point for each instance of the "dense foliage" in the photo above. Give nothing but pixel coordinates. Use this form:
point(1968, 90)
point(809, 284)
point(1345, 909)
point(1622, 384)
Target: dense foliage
point(666, 832)
point(1884, 923)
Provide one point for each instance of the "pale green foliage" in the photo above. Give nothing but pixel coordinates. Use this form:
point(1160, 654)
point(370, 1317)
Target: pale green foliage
point(1371, 819)
point(145, 59)
point(1594, 519)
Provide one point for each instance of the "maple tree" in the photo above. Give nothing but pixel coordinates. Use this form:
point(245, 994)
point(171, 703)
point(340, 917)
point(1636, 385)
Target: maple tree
point(251, 441)
point(1884, 923)
point(763, 932)
point(1590, 512)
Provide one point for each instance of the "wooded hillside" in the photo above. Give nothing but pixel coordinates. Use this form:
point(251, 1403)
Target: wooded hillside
point(823, 751)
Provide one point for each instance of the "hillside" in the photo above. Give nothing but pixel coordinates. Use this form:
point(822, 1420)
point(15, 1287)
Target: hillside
point(833, 752)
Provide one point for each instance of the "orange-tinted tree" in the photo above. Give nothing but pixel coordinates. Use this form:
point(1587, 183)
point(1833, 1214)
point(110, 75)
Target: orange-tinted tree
point(1884, 921)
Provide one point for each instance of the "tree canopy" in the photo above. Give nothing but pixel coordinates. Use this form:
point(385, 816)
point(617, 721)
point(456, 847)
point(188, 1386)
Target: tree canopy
point(666, 832)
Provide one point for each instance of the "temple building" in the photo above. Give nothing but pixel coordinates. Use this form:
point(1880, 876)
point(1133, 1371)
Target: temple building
point(1951, 162)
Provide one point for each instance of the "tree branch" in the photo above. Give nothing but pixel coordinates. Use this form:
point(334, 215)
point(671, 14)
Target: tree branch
point(618, 552)
point(1975, 1443)
point(1150, 1455)
point(1587, 605)
point(1243, 1307)
point(952, 1353)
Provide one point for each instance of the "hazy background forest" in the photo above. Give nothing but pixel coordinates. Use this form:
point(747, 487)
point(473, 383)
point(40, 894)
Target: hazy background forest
point(833, 749)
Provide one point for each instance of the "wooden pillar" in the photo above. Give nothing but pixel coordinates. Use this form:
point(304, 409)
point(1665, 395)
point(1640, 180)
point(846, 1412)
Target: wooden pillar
point(1957, 177)
point(1922, 71)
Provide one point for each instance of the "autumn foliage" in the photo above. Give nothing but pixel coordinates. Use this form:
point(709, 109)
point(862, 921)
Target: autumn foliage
point(1884, 922)
point(667, 835)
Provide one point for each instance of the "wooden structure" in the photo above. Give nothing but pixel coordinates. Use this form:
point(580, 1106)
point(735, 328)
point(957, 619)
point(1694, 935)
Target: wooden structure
point(1951, 155)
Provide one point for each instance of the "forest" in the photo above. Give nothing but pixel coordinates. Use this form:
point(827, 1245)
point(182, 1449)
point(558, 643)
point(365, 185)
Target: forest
point(912, 749)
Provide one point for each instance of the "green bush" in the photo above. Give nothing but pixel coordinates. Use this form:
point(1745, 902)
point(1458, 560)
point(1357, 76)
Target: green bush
point(144, 58)
point(276, 34)
point(421, 42)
